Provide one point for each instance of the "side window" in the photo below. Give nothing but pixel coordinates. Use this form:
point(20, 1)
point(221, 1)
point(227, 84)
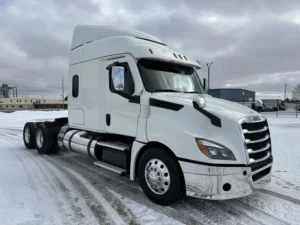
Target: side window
point(128, 81)
point(75, 86)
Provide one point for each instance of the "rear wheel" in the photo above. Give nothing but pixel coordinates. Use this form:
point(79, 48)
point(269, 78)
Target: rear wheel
point(46, 139)
point(160, 177)
point(29, 135)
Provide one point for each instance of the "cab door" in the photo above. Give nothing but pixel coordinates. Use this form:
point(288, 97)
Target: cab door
point(122, 107)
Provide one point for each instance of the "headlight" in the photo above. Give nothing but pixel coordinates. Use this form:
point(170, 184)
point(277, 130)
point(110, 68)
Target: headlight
point(214, 151)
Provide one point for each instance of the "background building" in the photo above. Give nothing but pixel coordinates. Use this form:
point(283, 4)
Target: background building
point(233, 94)
point(31, 103)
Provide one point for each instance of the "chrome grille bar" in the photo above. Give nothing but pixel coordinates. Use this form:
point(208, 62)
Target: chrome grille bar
point(254, 131)
point(261, 159)
point(250, 151)
point(257, 141)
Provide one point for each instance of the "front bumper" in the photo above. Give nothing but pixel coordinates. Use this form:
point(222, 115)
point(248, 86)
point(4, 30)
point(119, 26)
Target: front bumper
point(209, 181)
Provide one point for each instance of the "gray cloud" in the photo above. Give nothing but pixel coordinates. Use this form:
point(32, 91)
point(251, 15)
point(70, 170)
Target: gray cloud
point(254, 44)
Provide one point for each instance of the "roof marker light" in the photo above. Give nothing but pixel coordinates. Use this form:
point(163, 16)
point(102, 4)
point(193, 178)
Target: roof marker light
point(185, 57)
point(180, 56)
point(175, 55)
point(150, 50)
point(198, 62)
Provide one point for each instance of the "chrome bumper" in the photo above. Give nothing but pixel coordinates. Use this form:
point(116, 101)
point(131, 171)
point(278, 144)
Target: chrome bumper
point(209, 181)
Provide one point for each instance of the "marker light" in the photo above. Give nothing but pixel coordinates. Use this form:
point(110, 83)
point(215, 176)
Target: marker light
point(180, 56)
point(185, 57)
point(175, 55)
point(150, 50)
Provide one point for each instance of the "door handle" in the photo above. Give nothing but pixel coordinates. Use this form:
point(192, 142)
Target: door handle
point(107, 119)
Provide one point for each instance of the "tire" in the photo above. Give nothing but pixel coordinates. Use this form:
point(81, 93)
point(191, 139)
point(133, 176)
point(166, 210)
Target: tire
point(29, 131)
point(172, 189)
point(46, 139)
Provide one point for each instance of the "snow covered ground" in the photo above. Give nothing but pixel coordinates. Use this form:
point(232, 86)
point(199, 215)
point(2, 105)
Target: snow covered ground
point(68, 189)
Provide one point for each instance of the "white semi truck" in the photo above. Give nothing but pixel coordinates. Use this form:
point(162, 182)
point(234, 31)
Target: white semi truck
point(138, 108)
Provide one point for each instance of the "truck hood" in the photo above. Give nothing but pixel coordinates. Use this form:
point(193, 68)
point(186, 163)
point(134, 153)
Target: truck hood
point(214, 105)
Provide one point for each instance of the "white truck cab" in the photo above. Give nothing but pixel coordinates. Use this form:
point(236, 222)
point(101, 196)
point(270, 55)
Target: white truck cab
point(138, 107)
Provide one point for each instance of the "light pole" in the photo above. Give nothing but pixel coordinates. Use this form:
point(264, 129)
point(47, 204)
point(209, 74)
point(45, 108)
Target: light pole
point(208, 75)
point(295, 89)
point(285, 91)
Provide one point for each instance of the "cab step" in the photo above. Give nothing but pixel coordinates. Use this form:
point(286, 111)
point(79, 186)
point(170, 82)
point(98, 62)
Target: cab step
point(112, 168)
point(114, 145)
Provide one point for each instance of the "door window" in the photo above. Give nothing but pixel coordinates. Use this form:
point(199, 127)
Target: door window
point(128, 82)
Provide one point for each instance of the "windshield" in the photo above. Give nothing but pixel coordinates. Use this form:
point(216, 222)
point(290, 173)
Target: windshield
point(169, 77)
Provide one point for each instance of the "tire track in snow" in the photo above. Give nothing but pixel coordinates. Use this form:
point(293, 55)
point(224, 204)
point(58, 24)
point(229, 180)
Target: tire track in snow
point(31, 174)
point(102, 217)
point(178, 211)
point(236, 211)
point(115, 217)
point(45, 181)
point(117, 205)
point(55, 194)
point(220, 210)
point(281, 196)
point(245, 217)
point(211, 213)
point(67, 198)
point(144, 214)
point(253, 213)
point(27, 173)
point(111, 212)
point(94, 208)
point(58, 192)
point(92, 192)
point(124, 189)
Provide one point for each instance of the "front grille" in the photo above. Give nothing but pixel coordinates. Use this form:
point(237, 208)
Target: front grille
point(254, 126)
point(258, 165)
point(256, 136)
point(258, 144)
point(261, 174)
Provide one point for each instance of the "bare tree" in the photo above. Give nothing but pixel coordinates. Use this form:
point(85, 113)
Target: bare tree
point(296, 92)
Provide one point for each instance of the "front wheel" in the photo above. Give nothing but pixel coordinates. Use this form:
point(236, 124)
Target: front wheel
point(160, 177)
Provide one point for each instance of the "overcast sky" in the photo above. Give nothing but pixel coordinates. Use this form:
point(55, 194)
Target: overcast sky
point(254, 44)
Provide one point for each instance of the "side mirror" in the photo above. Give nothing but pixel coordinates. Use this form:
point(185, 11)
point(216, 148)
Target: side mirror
point(205, 86)
point(117, 73)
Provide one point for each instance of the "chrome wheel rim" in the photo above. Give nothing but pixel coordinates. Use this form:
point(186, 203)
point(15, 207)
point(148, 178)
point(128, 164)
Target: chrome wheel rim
point(27, 135)
point(39, 139)
point(157, 176)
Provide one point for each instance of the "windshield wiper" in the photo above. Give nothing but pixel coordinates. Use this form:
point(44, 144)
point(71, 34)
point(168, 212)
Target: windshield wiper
point(165, 90)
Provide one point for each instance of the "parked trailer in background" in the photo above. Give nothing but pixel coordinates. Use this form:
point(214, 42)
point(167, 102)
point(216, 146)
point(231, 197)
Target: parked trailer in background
point(138, 108)
point(257, 105)
point(273, 105)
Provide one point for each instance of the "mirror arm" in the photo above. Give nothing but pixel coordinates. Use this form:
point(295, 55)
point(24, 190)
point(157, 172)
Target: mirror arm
point(111, 65)
point(204, 86)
